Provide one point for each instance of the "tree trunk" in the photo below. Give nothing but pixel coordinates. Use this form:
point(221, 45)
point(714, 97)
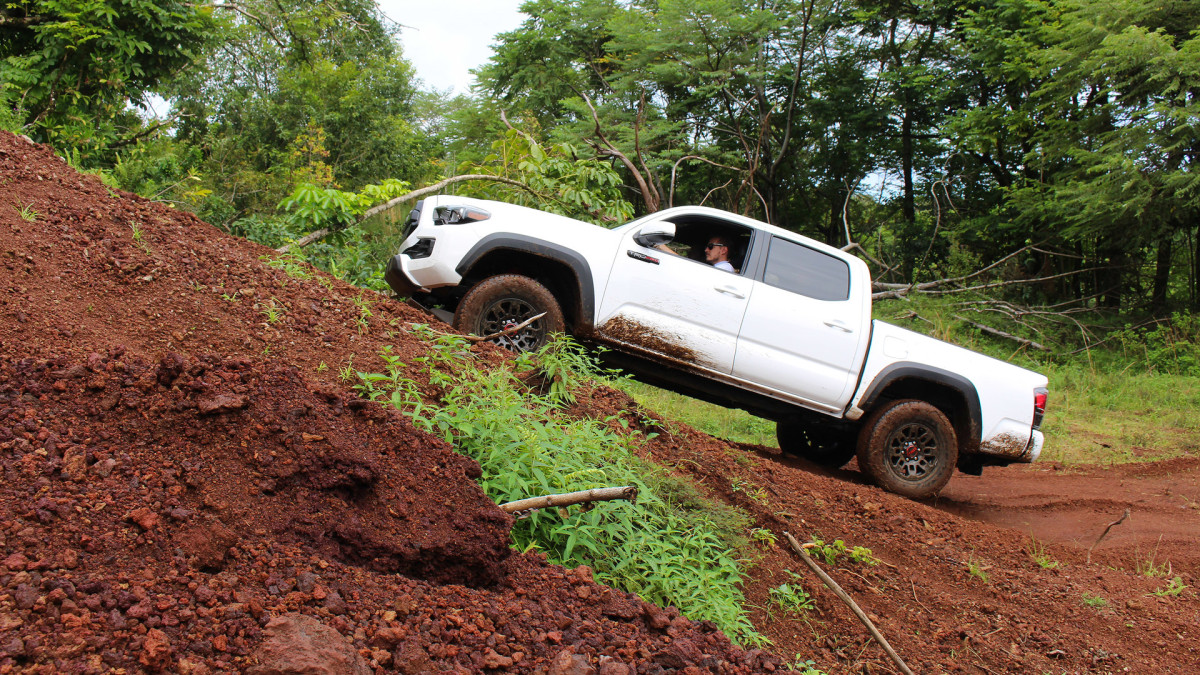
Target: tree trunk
point(1196, 271)
point(1110, 281)
point(1162, 275)
point(906, 165)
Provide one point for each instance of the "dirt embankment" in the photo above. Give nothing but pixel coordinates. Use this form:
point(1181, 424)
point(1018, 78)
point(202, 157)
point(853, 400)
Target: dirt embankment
point(190, 486)
point(992, 576)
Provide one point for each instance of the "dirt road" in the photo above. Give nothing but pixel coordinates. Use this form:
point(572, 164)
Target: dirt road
point(1072, 506)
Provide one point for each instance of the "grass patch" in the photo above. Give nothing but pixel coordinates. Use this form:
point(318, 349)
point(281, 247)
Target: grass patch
point(730, 424)
point(1135, 398)
point(1037, 552)
point(672, 547)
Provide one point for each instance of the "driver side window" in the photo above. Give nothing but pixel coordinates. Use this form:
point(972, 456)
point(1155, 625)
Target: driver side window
point(694, 235)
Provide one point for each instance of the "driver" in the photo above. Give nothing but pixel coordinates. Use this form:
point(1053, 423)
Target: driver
point(716, 253)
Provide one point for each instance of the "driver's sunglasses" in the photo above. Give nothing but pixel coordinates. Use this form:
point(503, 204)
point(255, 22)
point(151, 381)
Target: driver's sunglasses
point(712, 246)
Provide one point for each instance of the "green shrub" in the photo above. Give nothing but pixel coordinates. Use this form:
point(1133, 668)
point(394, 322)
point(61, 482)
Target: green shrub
point(668, 550)
point(1171, 346)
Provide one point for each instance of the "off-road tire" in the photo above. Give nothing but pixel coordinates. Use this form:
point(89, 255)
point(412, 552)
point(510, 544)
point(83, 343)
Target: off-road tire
point(831, 448)
point(507, 300)
point(908, 447)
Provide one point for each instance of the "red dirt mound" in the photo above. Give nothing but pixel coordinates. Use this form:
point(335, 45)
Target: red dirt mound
point(185, 472)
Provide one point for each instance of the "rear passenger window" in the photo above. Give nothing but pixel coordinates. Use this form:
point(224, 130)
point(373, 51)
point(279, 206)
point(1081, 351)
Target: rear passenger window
point(800, 269)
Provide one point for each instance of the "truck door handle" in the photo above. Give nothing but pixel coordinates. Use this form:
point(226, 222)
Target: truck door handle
point(729, 290)
point(839, 325)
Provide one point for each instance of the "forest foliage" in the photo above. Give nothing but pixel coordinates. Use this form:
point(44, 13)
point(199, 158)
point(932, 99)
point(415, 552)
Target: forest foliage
point(938, 137)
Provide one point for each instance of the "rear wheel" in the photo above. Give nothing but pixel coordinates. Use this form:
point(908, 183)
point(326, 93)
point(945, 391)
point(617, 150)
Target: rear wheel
point(908, 447)
point(505, 301)
point(820, 445)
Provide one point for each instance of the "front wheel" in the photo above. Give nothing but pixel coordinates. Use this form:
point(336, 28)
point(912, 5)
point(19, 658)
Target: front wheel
point(827, 447)
point(908, 447)
point(505, 301)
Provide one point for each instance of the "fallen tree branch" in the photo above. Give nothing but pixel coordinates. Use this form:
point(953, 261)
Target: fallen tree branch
point(523, 507)
point(396, 201)
point(507, 331)
point(845, 597)
point(1104, 534)
point(999, 333)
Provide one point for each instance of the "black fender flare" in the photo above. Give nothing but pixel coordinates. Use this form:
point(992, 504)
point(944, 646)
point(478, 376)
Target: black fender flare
point(917, 371)
point(543, 249)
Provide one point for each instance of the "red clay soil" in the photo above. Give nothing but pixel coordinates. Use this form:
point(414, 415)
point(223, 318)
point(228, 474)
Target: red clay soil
point(1013, 614)
point(184, 477)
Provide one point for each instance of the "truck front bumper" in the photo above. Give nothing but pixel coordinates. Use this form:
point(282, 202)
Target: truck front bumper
point(398, 279)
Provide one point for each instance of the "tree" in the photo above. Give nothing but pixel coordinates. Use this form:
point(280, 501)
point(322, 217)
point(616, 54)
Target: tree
point(73, 67)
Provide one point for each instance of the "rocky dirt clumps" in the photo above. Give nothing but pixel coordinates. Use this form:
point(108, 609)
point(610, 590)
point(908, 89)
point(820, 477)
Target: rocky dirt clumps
point(190, 486)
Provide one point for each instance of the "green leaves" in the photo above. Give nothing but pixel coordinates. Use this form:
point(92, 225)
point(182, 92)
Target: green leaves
point(75, 64)
point(561, 180)
point(668, 550)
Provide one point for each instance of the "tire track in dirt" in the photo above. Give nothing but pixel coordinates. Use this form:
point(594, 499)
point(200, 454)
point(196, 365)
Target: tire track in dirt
point(1072, 506)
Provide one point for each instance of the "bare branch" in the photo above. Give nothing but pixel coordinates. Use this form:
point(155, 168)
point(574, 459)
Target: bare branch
point(855, 246)
point(675, 167)
point(845, 597)
point(1105, 533)
point(391, 203)
point(709, 193)
point(1013, 282)
point(522, 508)
point(507, 331)
point(999, 333)
point(649, 195)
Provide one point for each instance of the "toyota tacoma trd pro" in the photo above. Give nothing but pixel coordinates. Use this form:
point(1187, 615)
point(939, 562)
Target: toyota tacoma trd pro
point(787, 335)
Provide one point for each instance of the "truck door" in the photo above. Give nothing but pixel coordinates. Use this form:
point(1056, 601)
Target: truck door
point(806, 329)
point(681, 309)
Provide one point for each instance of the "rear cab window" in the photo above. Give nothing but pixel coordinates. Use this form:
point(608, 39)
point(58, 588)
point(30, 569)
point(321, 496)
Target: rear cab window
point(806, 271)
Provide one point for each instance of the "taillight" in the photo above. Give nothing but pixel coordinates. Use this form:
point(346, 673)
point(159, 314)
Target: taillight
point(1039, 406)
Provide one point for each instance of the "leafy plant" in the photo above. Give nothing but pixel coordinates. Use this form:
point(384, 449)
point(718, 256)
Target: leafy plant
point(348, 374)
point(978, 570)
point(27, 213)
point(1094, 601)
point(791, 598)
point(832, 551)
point(292, 264)
point(364, 313)
point(669, 551)
point(272, 311)
point(764, 536)
point(562, 365)
point(749, 489)
point(805, 667)
point(1173, 588)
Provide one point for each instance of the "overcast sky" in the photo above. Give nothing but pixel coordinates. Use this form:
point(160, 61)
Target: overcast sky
point(446, 38)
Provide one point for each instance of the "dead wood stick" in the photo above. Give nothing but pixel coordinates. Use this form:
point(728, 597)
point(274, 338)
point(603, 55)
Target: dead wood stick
point(999, 333)
point(507, 331)
point(523, 507)
point(1104, 534)
point(845, 597)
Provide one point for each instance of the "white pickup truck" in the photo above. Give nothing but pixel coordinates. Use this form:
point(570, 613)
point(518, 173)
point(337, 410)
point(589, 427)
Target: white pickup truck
point(787, 335)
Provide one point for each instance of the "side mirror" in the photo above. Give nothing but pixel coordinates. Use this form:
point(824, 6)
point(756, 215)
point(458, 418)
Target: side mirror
point(658, 232)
